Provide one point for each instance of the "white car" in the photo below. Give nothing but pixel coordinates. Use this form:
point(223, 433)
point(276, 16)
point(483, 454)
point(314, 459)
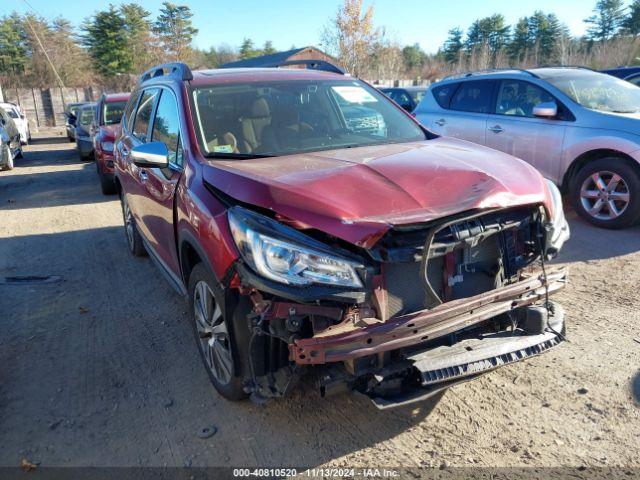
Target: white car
point(20, 119)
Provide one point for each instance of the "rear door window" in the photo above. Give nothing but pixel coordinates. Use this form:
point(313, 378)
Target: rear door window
point(474, 96)
point(444, 93)
point(144, 113)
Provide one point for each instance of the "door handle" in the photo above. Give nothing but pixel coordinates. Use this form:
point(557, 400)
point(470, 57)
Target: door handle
point(496, 129)
point(442, 122)
point(143, 176)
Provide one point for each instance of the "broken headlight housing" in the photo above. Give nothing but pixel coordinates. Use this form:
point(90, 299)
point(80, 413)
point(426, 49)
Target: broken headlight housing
point(557, 228)
point(284, 255)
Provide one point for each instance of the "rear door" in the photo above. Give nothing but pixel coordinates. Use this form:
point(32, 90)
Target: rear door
point(514, 130)
point(465, 109)
point(159, 184)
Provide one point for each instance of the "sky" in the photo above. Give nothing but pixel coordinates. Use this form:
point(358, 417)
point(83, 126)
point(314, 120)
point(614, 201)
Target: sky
point(300, 22)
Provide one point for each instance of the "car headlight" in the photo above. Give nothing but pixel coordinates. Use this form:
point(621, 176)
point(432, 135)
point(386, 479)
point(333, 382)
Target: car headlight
point(558, 229)
point(286, 259)
point(106, 146)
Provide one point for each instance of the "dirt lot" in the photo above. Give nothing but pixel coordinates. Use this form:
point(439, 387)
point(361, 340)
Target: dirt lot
point(101, 368)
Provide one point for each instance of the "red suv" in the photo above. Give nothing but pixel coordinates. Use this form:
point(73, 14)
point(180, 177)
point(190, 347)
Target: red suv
point(108, 114)
point(317, 229)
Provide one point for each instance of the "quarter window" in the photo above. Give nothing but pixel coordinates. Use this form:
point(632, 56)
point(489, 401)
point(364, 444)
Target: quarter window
point(444, 93)
point(128, 111)
point(473, 97)
point(166, 126)
point(517, 98)
point(143, 116)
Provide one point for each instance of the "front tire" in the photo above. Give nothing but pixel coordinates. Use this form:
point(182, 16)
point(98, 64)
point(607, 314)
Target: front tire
point(107, 185)
point(215, 335)
point(134, 240)
point(606, 193)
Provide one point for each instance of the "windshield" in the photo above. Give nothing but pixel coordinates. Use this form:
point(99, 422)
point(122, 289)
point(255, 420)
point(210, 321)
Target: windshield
point(286, 117)
point(86, 116)
point(112, 112)
point(12, 113)
point(599, 91)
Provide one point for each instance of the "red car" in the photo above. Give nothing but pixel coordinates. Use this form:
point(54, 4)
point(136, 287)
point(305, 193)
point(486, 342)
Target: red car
point(108, 114)
point(317, 229)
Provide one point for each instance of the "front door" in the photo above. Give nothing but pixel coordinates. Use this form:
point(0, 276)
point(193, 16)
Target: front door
point(514, 130)
point(156, 205)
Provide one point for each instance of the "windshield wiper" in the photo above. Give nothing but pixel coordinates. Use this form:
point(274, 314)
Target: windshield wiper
point(236, 156)
point(624, 111)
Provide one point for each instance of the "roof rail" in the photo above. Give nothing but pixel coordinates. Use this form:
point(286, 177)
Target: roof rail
point(311, 65)
point(181, 69)
point(489, 70)
point(559, 65)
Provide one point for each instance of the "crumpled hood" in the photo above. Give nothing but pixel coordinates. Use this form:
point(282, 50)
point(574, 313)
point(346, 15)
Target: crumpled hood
point(357, 194)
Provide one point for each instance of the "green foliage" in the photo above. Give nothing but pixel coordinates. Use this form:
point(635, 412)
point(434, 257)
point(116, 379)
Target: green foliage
point(175, 31)
point(492, 31)
point(608, 16)
point(247, 49)
point(106, 38)
point(453, 46)
point(13, 45)
point(631, 23)
point(413, 56)
point(268, 49)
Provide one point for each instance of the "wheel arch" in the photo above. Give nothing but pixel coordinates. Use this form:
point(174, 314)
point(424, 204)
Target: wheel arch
point(583, 159)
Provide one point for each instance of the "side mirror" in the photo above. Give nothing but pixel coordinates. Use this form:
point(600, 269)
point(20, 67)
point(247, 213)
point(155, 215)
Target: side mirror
point(23, 116)
point(153, 154)
point(545, 110)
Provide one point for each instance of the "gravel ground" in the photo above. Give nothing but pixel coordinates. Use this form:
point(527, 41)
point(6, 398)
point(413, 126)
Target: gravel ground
point(101, 369)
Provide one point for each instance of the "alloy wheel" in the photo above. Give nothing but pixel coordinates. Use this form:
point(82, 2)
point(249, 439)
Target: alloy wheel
point(212, 333)
point(604, 195)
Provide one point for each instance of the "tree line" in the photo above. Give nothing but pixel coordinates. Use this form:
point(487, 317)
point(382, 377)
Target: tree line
point(114, 45)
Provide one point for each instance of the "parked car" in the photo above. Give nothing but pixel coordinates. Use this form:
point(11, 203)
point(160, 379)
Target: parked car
point(84, 126)
point(10, 146)
point(392, 262)
point(108, 114)
point(630, 74)
point(20, 120)
point(71, 114)
point(579, 128)
point(407, 97)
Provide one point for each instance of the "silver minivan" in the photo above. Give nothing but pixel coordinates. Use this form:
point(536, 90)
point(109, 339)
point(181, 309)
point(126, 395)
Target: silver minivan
point(579, 128)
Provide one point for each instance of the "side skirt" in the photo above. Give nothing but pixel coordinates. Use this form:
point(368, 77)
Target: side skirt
point(174, 281)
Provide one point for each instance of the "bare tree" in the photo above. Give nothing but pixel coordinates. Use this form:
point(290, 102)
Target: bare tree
point(351, 36)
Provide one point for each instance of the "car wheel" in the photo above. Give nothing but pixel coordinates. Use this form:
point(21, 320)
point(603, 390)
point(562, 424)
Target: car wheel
point(134, 240)
point(606, 193)
point(71, 139)
point(20, 153)
point(215, 335)
point(107, 185)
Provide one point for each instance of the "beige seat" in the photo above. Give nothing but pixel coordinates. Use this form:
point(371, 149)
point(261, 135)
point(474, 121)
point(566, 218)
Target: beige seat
point(252, 125)
point(225, 143)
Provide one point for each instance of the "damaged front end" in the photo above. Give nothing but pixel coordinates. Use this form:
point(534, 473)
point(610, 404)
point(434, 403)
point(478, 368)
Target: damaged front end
point(428, 306)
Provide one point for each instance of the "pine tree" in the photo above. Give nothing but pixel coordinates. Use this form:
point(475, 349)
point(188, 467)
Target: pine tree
point(268, 48)
point(175, 31)
point(606, 20)
point(13, 46)
point(105, 36)
point(631, 23)
point(139, 36)
point(521, 43)
point(453, 46)
point(247, 49)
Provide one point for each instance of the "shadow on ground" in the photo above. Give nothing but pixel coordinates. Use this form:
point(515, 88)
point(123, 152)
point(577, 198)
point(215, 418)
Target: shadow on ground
point(635, 387)
point(121, 368)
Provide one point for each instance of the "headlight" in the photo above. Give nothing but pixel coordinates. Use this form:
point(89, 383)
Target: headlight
point(283, 259)
point(558, 229)
point(107, 146)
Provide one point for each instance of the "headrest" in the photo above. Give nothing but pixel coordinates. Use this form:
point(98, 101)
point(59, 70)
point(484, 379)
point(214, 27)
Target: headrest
point(260, 108)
